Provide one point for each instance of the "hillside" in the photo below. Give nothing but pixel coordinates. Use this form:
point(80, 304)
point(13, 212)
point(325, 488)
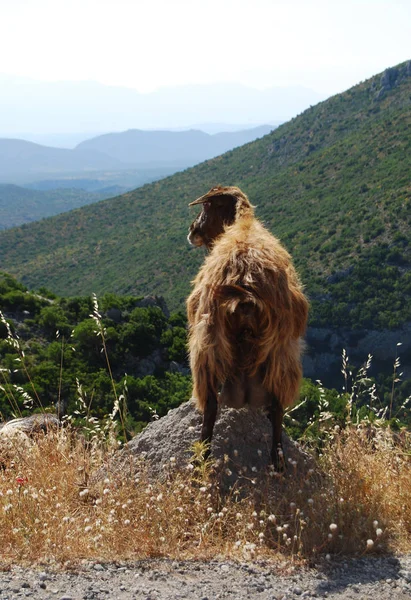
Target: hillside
point(333, 184)
point(20, 205)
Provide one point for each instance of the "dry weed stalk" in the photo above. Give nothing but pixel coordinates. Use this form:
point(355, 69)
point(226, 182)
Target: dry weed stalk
point(358, 500)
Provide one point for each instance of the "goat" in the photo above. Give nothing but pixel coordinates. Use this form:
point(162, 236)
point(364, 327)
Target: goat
point(246, 313)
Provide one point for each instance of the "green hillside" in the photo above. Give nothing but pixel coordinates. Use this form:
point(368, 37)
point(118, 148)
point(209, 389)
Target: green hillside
point(20, 205)
point(333, 184)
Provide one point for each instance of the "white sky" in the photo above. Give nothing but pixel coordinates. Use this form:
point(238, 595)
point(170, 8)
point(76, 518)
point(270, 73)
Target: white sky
point(327, 45)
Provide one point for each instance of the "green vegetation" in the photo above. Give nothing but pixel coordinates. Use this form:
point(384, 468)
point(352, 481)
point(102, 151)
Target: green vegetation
point(19, 205)
point(62, 350)
point(332, 183)
point(52, 348)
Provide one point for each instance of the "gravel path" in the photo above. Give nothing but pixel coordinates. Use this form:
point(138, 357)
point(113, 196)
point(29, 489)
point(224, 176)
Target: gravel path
point(387, 578)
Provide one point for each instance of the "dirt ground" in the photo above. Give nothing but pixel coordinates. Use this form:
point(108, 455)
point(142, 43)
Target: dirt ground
point(382, 578)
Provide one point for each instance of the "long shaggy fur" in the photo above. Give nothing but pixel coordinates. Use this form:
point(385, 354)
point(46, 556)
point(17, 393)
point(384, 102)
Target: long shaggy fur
point(247, 313)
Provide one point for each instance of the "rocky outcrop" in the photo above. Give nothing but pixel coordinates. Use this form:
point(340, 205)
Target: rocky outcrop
point(392, 77)
point(322, 359)
point(241, 445)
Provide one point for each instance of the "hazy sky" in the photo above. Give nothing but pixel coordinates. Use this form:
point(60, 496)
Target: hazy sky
point(327, 45)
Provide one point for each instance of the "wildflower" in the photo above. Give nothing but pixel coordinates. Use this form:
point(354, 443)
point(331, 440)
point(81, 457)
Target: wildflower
point(261, 536)
point(159, 497)
point(88, 528)
point(239, 516)
point(7, 507)
point(310, 501)
point(370, 544)
point(83, 492)
point(228, 472)
point(9, 493)
point(259, 452)
point(106, 491)
point(127, 522)
point(235, 452)
point(333, 527)
point(66, 519)
point(203, 490)
point(375, 524)
point(378, 532)
point(271, 518)
point(21, 480)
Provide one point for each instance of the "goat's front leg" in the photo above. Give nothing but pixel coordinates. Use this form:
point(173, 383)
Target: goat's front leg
point(275, 415)
point(209, 417)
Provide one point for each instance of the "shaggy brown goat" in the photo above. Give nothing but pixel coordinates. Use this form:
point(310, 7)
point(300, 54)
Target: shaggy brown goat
point(247, 314)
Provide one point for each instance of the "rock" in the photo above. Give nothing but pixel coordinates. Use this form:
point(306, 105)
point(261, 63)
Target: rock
point(21, 432)
point(241, 443)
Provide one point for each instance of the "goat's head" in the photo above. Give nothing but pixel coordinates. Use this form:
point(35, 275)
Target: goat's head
point(221, 206)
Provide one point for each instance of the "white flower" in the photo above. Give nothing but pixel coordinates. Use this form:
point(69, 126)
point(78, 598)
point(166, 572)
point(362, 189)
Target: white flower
point(370, 544)
point(378, 532)
point(333, 527)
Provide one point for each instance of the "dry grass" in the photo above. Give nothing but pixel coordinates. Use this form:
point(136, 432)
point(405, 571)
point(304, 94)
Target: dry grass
point(50, 513)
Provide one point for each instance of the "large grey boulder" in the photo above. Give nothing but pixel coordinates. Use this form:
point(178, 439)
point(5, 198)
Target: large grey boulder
point(241, 445)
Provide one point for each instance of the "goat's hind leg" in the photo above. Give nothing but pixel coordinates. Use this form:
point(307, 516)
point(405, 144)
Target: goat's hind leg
point(275, 415)
point(209, 417)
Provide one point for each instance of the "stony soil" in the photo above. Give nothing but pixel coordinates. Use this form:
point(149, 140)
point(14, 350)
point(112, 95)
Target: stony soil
point(386, 578)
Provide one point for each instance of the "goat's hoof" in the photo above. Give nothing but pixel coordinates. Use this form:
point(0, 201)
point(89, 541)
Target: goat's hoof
point(278, 460)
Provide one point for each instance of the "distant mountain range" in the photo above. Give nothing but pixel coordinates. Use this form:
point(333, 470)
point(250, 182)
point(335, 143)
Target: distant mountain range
point(61, 179)
point(46, 108)
point(23, 162)
point(162, 148)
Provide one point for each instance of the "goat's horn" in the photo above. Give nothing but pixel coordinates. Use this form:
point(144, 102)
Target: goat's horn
point(200, 200)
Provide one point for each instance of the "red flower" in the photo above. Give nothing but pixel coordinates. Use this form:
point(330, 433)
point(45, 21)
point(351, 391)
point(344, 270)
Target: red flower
point(21, 480)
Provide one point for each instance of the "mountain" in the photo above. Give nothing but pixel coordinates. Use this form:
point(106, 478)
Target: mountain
point(161, 152)
point(163, 148)
point(20, 158)
point(46, 108)
point(333, 184)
